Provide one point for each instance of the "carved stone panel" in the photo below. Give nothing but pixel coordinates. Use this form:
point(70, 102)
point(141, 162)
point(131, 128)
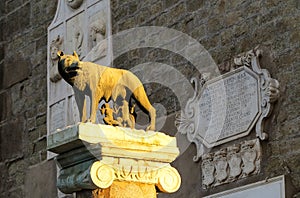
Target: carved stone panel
point(228, 107)
point(79, 25)
point(231, 163)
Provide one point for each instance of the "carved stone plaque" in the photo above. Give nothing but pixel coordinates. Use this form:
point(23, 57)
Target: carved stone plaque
point(229, 106)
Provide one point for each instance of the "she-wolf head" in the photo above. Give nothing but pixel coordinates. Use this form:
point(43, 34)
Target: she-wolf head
point(68, 59)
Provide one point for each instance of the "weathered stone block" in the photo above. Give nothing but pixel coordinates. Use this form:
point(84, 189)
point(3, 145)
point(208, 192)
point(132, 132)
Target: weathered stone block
point(2, 8)
point(1, 34)
point(11, 139)
point(12, 5)
point(156, 8)
point(5, 106)
point(21, 18)
point(40, 145)
point(198, 32)
point(176, 12)
point(41, 43)
point(169, 3)
point(232, 18)
point(16, 192)
point(194, 5)
point(16, 172)
point(41, 120)
point(120, 13)
point(40, 180)
point(214, 25)
point(1, 46)
point(42, 130)
point(143, 16)
point(33, 135)
point(50, 9)
point(127, 24)
point(3, 177)
point(11, 28)
point(15, 69)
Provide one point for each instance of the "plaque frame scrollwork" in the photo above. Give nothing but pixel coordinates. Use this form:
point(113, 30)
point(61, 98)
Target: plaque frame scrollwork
point(268, 92)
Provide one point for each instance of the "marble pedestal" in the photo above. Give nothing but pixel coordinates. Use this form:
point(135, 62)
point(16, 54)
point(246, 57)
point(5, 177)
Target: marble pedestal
point(110, 161)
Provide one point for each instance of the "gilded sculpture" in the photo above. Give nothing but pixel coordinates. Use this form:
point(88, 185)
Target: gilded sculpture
point(109, 115)
point(97, 82)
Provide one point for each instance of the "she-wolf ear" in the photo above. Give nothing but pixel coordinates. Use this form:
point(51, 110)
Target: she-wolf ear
point(59, 53)
point(76, 55)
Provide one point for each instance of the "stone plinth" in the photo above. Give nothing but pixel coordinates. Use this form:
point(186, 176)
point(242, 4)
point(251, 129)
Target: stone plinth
point(111, 160)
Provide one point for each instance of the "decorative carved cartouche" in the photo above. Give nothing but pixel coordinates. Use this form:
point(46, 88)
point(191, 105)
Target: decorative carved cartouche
point(229, 106)
point(231, 164)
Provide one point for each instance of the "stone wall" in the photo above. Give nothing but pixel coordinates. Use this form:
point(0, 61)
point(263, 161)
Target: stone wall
point(24, 170)
point(225, 29)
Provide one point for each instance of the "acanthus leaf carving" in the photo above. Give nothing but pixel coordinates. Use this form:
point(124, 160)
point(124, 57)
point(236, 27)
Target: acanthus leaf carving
point(185, 122)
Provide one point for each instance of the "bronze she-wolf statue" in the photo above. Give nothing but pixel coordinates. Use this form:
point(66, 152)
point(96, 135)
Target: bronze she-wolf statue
point(101, 82)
